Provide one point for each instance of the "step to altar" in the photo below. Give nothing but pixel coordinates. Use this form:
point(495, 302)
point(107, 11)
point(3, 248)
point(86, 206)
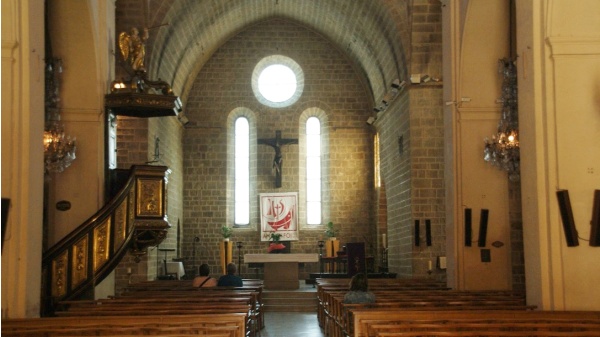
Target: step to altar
point(289, 301)
point(314, 276)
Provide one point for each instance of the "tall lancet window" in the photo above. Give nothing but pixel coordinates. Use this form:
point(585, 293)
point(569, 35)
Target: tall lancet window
point(313, 171)
point(377, 161)
point(242, 172)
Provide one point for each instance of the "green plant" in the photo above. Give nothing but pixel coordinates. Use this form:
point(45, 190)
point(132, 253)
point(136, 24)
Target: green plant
point(275, 237)
point(330, 230)
point(226, 231)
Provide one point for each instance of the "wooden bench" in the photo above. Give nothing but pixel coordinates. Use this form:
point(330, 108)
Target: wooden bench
point(174, 298)
point(172, 288)
point(338, 315)
point(475, 323)
point(214, 325)
point(184, 288)
point(144, 308)
point(340, 286)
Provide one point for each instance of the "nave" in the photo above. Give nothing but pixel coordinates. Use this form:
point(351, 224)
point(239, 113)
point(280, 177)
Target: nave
point(292, 324)
point(403, 307)
point(293, 316)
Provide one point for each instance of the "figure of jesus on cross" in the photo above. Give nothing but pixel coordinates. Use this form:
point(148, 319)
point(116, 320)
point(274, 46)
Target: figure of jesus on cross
point(276, 143)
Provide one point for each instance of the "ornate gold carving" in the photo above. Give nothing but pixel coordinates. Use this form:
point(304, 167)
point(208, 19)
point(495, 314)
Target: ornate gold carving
point(59, 275)
point(143, 238)
point(131, 208)
point(151, 224)
point(79, 262)
point(141, 100)
point(149, 197)
point(120, 224)
point(101, 244)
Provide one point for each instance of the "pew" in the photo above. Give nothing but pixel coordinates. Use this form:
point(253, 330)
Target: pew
point(336, 317)
point(325, 287)
point(173, 288)
point(174, 297)
point(177, 288)
point(214, 325)
point(475, 323)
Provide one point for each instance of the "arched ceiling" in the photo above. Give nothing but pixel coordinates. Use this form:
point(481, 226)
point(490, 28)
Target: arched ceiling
point(372, 33)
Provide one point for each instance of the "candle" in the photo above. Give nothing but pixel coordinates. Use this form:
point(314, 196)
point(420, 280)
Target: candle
point(129, 270)
point(430, 265)
point(383, 240)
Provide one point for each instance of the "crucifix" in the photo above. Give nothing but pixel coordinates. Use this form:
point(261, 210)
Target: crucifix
point(277, 143)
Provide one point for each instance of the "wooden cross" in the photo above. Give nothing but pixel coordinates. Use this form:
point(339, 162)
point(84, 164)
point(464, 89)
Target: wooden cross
point(276, 143)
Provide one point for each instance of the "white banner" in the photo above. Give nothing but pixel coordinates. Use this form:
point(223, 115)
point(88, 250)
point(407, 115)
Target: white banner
point(279, 214)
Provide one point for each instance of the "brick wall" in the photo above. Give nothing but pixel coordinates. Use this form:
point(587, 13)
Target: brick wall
point(223, 85)
point(136, 144)
point(413, 180)
point(393, 124)
point(427, 172)
point(426, 42)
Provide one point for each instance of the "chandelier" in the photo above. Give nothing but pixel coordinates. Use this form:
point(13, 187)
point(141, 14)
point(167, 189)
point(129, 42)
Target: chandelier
point(59, 149)
point(502, 150)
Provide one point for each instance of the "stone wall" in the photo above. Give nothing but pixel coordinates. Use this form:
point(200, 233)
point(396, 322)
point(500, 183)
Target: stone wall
point(223, 85)
point(137, 145)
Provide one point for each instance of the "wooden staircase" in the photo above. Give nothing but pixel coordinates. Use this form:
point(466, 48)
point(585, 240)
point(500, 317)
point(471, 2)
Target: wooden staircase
point(290, 301)
point(134, 219)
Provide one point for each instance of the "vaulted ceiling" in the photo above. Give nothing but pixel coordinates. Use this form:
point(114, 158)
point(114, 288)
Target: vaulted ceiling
point(373, 34)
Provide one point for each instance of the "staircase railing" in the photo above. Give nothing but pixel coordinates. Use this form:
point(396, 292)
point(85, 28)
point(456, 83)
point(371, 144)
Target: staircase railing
point(134, 219)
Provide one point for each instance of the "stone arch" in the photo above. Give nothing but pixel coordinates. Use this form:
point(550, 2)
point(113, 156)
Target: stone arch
point(374, 35)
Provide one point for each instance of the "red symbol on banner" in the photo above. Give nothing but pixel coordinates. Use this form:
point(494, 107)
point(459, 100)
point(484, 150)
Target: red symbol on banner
point(276, 211)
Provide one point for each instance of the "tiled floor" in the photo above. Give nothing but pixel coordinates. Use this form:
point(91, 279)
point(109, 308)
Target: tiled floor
point(291, 324)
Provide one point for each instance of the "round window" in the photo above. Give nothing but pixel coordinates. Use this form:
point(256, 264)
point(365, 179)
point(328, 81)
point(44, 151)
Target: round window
point(277, 81)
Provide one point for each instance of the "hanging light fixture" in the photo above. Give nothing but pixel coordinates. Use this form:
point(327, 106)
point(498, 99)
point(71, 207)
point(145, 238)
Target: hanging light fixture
point(59, 149)
point(502, 150)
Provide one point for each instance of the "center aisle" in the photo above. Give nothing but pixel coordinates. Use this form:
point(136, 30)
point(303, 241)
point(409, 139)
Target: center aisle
point(291, 324)
point(291, 313)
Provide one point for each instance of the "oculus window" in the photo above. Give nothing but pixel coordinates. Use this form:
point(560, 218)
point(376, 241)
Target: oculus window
point(277, 81)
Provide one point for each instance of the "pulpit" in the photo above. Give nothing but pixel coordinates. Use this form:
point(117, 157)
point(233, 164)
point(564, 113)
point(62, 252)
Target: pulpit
point(281, 270)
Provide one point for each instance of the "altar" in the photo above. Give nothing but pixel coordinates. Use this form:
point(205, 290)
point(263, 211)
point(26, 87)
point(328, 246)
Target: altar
point(281, 270)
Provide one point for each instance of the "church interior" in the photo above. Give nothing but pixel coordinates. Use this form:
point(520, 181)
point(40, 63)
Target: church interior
point(437, 140)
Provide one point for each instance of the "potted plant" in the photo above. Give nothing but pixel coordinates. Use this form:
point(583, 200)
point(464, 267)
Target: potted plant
point(275, 246)
point(275, 237)
point(226, 231)
point(330, 231)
